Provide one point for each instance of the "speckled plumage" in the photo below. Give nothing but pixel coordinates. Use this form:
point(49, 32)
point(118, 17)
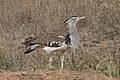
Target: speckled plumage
point(55, 40)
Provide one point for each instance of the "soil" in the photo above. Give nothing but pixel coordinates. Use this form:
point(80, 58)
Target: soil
point(53, 75)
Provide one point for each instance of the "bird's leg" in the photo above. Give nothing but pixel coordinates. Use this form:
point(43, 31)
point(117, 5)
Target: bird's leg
point(62, 61)
point(50, 61)
point(73, 51)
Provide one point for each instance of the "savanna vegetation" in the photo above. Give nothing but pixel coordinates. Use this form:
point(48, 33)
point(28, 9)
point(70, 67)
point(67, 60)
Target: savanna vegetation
point(99, 32)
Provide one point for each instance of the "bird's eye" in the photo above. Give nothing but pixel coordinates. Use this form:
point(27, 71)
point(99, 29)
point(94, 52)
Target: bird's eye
point(74, 17)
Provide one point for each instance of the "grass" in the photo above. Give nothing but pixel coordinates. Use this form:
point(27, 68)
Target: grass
point(99, 34)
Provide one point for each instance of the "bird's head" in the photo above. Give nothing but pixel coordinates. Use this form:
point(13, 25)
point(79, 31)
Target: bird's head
point(73, 20)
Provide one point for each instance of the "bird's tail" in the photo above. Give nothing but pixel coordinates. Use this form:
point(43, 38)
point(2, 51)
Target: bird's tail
point(29, 40)
point(30, 48)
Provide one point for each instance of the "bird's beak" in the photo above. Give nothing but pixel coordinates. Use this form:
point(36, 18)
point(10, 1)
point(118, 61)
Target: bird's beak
point(80, 18)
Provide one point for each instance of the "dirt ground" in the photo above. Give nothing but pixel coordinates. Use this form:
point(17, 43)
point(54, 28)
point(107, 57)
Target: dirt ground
point(52, 75)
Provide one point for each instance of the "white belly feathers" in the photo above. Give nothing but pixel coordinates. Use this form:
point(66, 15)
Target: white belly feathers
point(51, 49)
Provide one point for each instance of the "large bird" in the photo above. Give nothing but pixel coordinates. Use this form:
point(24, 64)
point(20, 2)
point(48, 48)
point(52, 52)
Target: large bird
point(57, 40)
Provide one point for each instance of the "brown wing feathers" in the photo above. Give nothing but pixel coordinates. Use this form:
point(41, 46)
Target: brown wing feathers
point(32, 43)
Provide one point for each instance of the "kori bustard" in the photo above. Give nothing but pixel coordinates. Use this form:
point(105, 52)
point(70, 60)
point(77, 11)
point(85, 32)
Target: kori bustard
point(56, 40)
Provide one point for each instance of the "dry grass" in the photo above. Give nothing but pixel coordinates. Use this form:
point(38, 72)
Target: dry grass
point(99, 34)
